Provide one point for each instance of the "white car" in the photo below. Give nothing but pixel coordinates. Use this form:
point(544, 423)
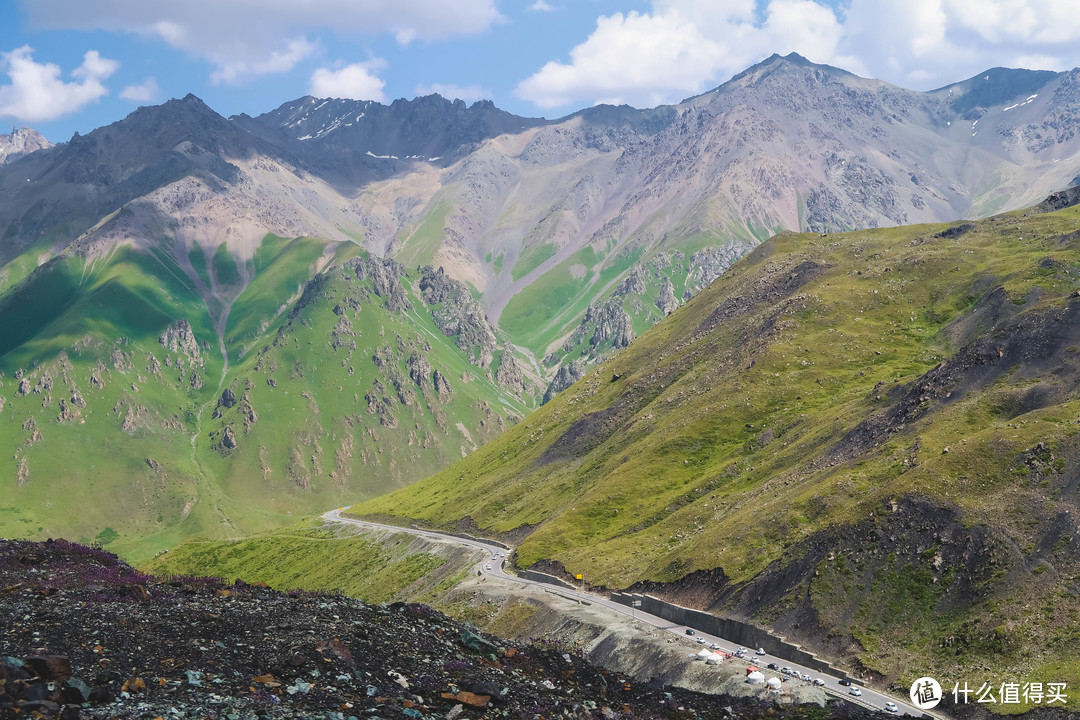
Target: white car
point(806, 678)
point(488, 566)
point(819, 682)
point(891, 707)
point(855, 691)
point(714, 646)
point(760, 651)
point(699, 641)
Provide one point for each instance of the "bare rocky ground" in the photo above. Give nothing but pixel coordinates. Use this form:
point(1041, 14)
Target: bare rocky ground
point(82, 635)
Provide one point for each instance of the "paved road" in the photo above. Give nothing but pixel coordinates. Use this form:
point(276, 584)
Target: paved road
point(493, 566)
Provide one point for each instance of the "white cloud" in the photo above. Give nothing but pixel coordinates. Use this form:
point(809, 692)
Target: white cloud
point(683, 47)
point(356, 82)
point(245, 38)
point(540, 6)
point(468, 93)
point(1039, 62)
point(145, 92)
point(709, 13)
point(635, 58)
point(237, 71)
point(930, 43)
point(37, 93)
point(1038, 21)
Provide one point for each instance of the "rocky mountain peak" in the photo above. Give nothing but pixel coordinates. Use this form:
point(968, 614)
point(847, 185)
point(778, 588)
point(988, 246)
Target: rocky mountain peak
point(21, 141)
point(783, 68)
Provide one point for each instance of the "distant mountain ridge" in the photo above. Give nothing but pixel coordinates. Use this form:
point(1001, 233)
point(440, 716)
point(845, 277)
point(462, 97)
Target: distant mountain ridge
point(559, 241)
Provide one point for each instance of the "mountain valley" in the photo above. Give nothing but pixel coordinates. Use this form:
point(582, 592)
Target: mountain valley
point(865, 441)
point(213, 326)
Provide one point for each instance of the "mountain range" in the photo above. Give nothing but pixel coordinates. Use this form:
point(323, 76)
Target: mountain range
point(211, 325)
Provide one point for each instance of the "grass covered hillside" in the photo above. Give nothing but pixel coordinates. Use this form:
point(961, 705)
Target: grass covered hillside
point(868, 441)
point(138, 409)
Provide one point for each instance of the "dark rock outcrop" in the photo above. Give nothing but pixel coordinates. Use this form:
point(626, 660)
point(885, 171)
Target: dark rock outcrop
point(566, 376)
point(509, 374)
point(666, 299)
point(457, 315)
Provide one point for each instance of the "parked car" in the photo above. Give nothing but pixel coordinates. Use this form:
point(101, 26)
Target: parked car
point(714, 646)
point(771, 666)
point(488, 566)
point(760, 651)
point(690, 631)
point(806, 677)
point(845, 682)
point(699, 641)
point(819, 682)
point(855, 691)
point(891, 707)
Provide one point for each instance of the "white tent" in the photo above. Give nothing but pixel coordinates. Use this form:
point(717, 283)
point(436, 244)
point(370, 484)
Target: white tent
point(755, 678)
point(773, 683)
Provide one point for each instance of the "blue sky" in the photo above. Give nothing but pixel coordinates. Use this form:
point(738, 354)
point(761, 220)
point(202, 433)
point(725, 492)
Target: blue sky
point(73, 65)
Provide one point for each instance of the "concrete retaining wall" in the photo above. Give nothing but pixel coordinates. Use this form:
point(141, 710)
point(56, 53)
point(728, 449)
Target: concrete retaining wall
point(544, 578)
point(735, 631)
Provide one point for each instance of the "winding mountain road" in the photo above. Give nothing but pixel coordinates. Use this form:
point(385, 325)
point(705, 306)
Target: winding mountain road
point(493, 567)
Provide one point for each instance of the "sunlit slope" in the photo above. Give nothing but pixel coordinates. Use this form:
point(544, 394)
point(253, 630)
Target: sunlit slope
point(103, 379)
point(836, 422)
point(127, 419)
point(356, 391)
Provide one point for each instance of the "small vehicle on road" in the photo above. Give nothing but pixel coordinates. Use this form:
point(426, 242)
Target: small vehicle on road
point(714, 646)
point(690, 631)
point(488, 566)
point(845, 682)
point(699, 641)
point(891, 707)
point(760, 651)
point(806, 678)
point(771, 666)
point(819, 682)
point(855, 691)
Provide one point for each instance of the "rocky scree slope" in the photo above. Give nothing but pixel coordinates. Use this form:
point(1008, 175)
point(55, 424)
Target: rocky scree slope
point(85, 636)
point(866, 441)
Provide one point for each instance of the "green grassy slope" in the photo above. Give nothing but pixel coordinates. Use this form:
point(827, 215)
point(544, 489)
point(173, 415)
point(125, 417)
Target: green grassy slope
point(902, 399)
point(121, 421)
point(92, 397)
point(308, 557)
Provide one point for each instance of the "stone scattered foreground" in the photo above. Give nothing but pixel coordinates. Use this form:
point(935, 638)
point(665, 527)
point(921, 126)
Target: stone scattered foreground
point(86, 636)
